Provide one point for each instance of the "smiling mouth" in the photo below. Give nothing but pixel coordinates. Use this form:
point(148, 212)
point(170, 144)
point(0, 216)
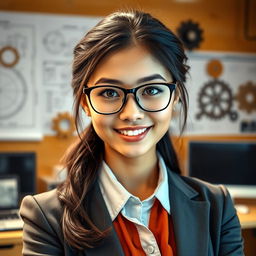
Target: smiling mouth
point(132, 132)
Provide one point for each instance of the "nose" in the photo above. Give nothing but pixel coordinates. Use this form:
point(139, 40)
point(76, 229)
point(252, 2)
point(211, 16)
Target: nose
point(131, 111)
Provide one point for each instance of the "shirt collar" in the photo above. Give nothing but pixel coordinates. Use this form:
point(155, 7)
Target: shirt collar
point(116, 196)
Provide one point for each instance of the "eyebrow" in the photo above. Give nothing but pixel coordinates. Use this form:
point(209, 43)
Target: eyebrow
point(139, 81)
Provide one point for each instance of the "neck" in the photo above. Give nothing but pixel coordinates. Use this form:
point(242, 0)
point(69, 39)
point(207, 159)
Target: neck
point(138, 175)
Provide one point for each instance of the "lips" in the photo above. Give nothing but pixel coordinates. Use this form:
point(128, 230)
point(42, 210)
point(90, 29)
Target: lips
point(133, 134)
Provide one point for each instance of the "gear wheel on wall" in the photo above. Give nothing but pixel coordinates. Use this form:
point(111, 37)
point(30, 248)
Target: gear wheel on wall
point(246, 97)
point(214, 68)
point(215, 101)
point(64, 125)
point(190, 34)
point(12, 53)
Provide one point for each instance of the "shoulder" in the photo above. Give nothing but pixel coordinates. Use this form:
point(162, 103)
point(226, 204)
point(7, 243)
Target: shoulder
point(44, 208)
point(42, 230)
point(199, 190)
point(45, 201)
point(205, 188)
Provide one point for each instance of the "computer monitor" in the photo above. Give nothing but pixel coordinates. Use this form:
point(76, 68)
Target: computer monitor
point(230, 163)
point(23, 165)
point(9, 191)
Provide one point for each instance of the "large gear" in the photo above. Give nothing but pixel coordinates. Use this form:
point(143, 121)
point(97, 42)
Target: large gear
point(190, 34)
point(215, 101)
point(246, 97)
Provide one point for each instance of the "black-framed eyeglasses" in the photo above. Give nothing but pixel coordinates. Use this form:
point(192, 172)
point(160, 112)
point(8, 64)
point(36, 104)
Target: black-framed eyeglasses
point(110, 99)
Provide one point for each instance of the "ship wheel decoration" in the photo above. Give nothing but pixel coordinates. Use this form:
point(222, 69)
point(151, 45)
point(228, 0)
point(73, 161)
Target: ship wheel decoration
point(215, 101)
point(246, 97)
point(64, 125)
point(190, 34)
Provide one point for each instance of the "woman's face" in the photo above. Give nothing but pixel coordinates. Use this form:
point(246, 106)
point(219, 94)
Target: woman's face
point(132, 132)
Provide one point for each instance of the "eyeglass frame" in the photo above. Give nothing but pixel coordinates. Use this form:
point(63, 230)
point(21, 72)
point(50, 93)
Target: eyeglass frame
point(87, 90)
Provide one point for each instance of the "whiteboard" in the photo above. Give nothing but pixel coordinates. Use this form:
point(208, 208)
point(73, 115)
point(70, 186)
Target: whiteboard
point(38, 87)
point(216, 104)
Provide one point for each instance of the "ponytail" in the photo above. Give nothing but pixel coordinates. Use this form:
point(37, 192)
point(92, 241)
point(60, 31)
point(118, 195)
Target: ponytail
point(82, 161)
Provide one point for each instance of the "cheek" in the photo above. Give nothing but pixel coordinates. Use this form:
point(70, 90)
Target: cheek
point(101, 123)
point(164, 117)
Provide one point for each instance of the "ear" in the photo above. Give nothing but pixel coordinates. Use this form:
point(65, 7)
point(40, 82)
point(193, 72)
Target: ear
point(85, 106)
point(176, 96)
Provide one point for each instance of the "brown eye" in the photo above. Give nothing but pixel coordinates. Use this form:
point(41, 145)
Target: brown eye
point(152, 91)
point(109, 93)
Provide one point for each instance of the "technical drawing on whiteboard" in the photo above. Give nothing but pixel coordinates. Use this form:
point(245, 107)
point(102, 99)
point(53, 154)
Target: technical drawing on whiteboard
point(62, 39)
point(58, 42)
point(19, 105)
point(13, 93)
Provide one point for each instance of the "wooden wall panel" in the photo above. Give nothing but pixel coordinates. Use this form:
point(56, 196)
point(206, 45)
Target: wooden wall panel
point(49, 151)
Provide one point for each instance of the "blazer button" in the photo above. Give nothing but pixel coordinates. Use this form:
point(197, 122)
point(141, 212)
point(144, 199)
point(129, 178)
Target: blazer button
point(151, 249)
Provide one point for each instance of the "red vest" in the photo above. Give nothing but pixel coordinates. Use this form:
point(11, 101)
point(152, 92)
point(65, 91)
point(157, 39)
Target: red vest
point(160, 224)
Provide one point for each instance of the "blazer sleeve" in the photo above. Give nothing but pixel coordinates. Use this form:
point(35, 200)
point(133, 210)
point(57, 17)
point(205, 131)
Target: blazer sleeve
point(39, 235)
point(231, 242)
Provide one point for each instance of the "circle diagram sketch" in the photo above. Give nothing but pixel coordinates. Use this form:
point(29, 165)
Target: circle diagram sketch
point(54, 42)
point(13, 93)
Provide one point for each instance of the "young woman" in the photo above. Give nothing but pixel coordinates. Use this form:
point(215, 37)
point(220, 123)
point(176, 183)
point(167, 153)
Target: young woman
point(124, 194)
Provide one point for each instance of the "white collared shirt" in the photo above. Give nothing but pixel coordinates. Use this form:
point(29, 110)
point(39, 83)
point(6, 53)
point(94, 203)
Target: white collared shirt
point(118, 199)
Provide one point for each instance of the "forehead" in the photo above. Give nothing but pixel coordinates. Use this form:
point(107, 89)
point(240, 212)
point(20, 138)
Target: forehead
point(129, 65)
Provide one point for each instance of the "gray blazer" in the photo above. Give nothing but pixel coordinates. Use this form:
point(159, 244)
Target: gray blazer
point(205, 222)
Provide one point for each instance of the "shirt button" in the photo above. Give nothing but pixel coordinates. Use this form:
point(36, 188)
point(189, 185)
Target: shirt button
point(151, 249)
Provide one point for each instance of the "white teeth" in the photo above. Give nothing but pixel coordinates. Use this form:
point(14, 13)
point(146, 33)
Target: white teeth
point(132, 132)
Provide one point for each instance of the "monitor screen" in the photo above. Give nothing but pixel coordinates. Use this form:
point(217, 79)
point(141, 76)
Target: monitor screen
point(22, 164)
point(9, 191)
point(229, 163)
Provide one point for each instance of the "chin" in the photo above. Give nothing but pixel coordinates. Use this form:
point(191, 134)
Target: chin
point(133, 153)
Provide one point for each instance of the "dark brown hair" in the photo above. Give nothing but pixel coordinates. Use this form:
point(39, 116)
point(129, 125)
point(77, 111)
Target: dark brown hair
point(115, 32)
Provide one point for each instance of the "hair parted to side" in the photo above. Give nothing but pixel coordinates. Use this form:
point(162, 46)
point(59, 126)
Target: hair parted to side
point(115, 32)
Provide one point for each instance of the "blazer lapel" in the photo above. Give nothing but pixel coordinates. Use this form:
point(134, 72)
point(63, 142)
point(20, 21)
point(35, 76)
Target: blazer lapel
point(99, 215)
point(190, 218)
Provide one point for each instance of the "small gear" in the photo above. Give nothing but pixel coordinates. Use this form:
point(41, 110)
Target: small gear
point(246, 97)
point(63, 124)
point(190, 34)
point(12, 56)
point(216, 101)
point(214, 68)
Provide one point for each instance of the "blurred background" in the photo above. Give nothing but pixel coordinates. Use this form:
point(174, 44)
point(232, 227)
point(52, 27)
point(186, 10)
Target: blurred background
point(36, 123)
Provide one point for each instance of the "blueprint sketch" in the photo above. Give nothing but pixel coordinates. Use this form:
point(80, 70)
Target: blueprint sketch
point(19, 105)
point(59, 35)
point(35, 70)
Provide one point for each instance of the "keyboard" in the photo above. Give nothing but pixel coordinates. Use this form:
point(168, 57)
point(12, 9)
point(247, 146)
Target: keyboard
point(10, 220)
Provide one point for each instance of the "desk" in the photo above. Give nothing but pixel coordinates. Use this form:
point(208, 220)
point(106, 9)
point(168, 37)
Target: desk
point(248, 223)
point(248, 220)
point(13, 239)
point(11, 243)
